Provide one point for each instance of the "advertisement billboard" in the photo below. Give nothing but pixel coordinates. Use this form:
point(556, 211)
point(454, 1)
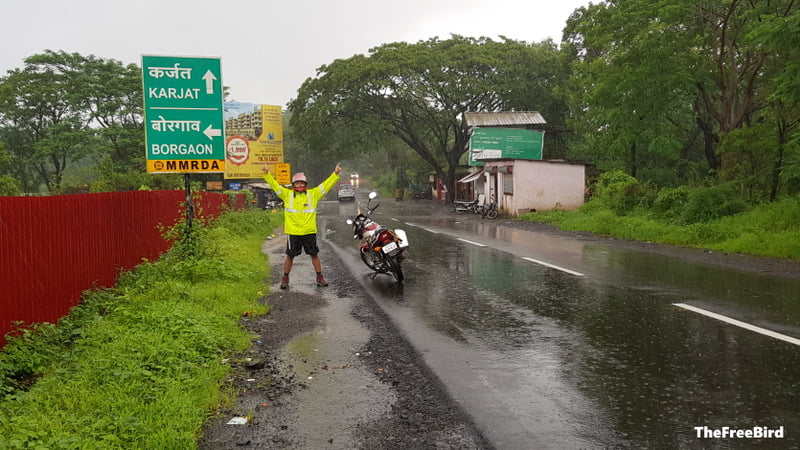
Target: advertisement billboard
point(253, 139)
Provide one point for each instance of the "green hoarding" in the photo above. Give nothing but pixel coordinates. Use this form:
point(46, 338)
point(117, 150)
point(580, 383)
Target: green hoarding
point(505, 143)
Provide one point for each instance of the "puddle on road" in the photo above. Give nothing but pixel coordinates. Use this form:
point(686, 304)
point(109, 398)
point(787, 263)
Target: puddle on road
point(340, 394)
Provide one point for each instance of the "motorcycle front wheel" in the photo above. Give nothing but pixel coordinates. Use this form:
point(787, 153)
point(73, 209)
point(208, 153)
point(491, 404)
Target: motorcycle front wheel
point(368, 261)
point(491, 214)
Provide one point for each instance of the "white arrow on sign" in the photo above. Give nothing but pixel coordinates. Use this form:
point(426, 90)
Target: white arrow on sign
point(209, 77)
point(211, 132)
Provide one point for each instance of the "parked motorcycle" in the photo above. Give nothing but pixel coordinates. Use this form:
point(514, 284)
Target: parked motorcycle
point(489, 211)
point(460, 207)
point(383, 249)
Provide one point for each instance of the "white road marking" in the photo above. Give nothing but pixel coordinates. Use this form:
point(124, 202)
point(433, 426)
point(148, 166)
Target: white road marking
point(420, 226)
point(471, 242)
point(739, 323)
point(553, 266)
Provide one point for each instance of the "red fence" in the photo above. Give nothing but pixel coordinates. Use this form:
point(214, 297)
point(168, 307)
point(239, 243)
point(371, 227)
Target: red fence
point(54, 248)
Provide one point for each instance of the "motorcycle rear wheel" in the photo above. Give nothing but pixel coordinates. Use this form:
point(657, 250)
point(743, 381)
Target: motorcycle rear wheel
point(397, 271)
point(491, 214)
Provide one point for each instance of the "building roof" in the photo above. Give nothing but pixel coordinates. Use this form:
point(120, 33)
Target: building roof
point(258, 185)
point(471, 177)
point(504, 119)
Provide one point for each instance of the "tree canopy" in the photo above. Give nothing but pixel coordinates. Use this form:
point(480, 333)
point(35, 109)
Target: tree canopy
point(672, 92)
point(658, 85)
point(418, 93)
point(62, 107)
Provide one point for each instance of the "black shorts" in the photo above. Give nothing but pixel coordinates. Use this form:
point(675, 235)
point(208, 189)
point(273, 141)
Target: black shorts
point(295, 244)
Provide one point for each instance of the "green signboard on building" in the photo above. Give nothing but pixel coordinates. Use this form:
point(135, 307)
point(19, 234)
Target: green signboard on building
point(505, 143)
point(183, 114)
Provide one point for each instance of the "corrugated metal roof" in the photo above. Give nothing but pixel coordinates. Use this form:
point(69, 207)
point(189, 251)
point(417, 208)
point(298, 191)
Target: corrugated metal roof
point(504, 119)
point(471, 177)
point(258, 185)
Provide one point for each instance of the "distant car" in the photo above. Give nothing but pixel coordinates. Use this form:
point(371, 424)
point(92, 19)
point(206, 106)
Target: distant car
point(354, 175)
point(346, 192)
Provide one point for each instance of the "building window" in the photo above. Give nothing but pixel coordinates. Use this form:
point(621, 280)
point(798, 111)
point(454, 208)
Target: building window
point(508, 185)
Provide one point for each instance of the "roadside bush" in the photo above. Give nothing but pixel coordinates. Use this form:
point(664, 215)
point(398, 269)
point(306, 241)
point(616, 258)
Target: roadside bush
point(670, 203)
point(9, 186)
point(249, 197)
point(780, 245)
point(770, 229)
point(550, 216)
point(623, 193)
point(248, 221)
point(706, 204)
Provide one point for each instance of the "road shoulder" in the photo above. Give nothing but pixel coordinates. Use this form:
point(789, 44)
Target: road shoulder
point(328, 369)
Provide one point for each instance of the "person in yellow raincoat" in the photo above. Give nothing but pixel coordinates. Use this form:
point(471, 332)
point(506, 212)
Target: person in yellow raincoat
point(300, 219)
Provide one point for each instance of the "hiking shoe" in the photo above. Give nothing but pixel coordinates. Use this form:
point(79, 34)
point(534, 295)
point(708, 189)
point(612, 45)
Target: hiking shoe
point(321, 281)
point(284, 282)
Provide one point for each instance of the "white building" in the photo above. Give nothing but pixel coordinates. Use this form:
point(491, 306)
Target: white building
point(514, 173)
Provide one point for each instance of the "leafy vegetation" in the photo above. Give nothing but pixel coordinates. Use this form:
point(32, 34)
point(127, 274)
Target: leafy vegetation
point(712, 217)
point(139, 365)
point(64, 107)
point(686, 92)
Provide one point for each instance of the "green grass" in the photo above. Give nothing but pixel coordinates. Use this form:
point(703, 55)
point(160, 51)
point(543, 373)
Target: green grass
point(140, 365)
point(766, 230)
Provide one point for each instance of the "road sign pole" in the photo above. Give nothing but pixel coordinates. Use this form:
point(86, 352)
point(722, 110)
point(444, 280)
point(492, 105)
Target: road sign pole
point(189, 205)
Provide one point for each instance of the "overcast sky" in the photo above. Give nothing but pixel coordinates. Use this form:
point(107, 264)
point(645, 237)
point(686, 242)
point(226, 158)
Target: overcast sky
point(267, 48)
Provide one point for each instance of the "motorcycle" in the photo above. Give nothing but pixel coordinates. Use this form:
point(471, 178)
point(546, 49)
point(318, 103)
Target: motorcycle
point(461, 207)
point(383, 249)
point(476, 206)
point(489, 212)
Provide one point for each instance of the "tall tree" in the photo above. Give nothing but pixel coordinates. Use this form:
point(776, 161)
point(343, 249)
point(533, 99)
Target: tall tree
point(778, 33)
point(627, 92)
point(62, 107)
point(416, 93)
point(114, 102)
point(655, 60)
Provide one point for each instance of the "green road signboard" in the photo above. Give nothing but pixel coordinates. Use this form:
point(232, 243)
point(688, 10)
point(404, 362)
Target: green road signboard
point(183, 114)
point(505, 143)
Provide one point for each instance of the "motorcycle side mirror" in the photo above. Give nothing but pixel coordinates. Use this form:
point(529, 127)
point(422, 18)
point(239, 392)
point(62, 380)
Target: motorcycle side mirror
point(372, 195)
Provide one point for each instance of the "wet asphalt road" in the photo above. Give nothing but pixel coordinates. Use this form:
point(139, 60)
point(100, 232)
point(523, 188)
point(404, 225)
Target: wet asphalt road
point(551, 342)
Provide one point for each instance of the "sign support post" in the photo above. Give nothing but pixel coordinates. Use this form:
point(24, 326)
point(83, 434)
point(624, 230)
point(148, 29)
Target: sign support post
point(189, 205)
point(183, 116)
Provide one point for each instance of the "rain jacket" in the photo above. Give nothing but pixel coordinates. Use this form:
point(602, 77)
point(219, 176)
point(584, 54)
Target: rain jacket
point(300, 208)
